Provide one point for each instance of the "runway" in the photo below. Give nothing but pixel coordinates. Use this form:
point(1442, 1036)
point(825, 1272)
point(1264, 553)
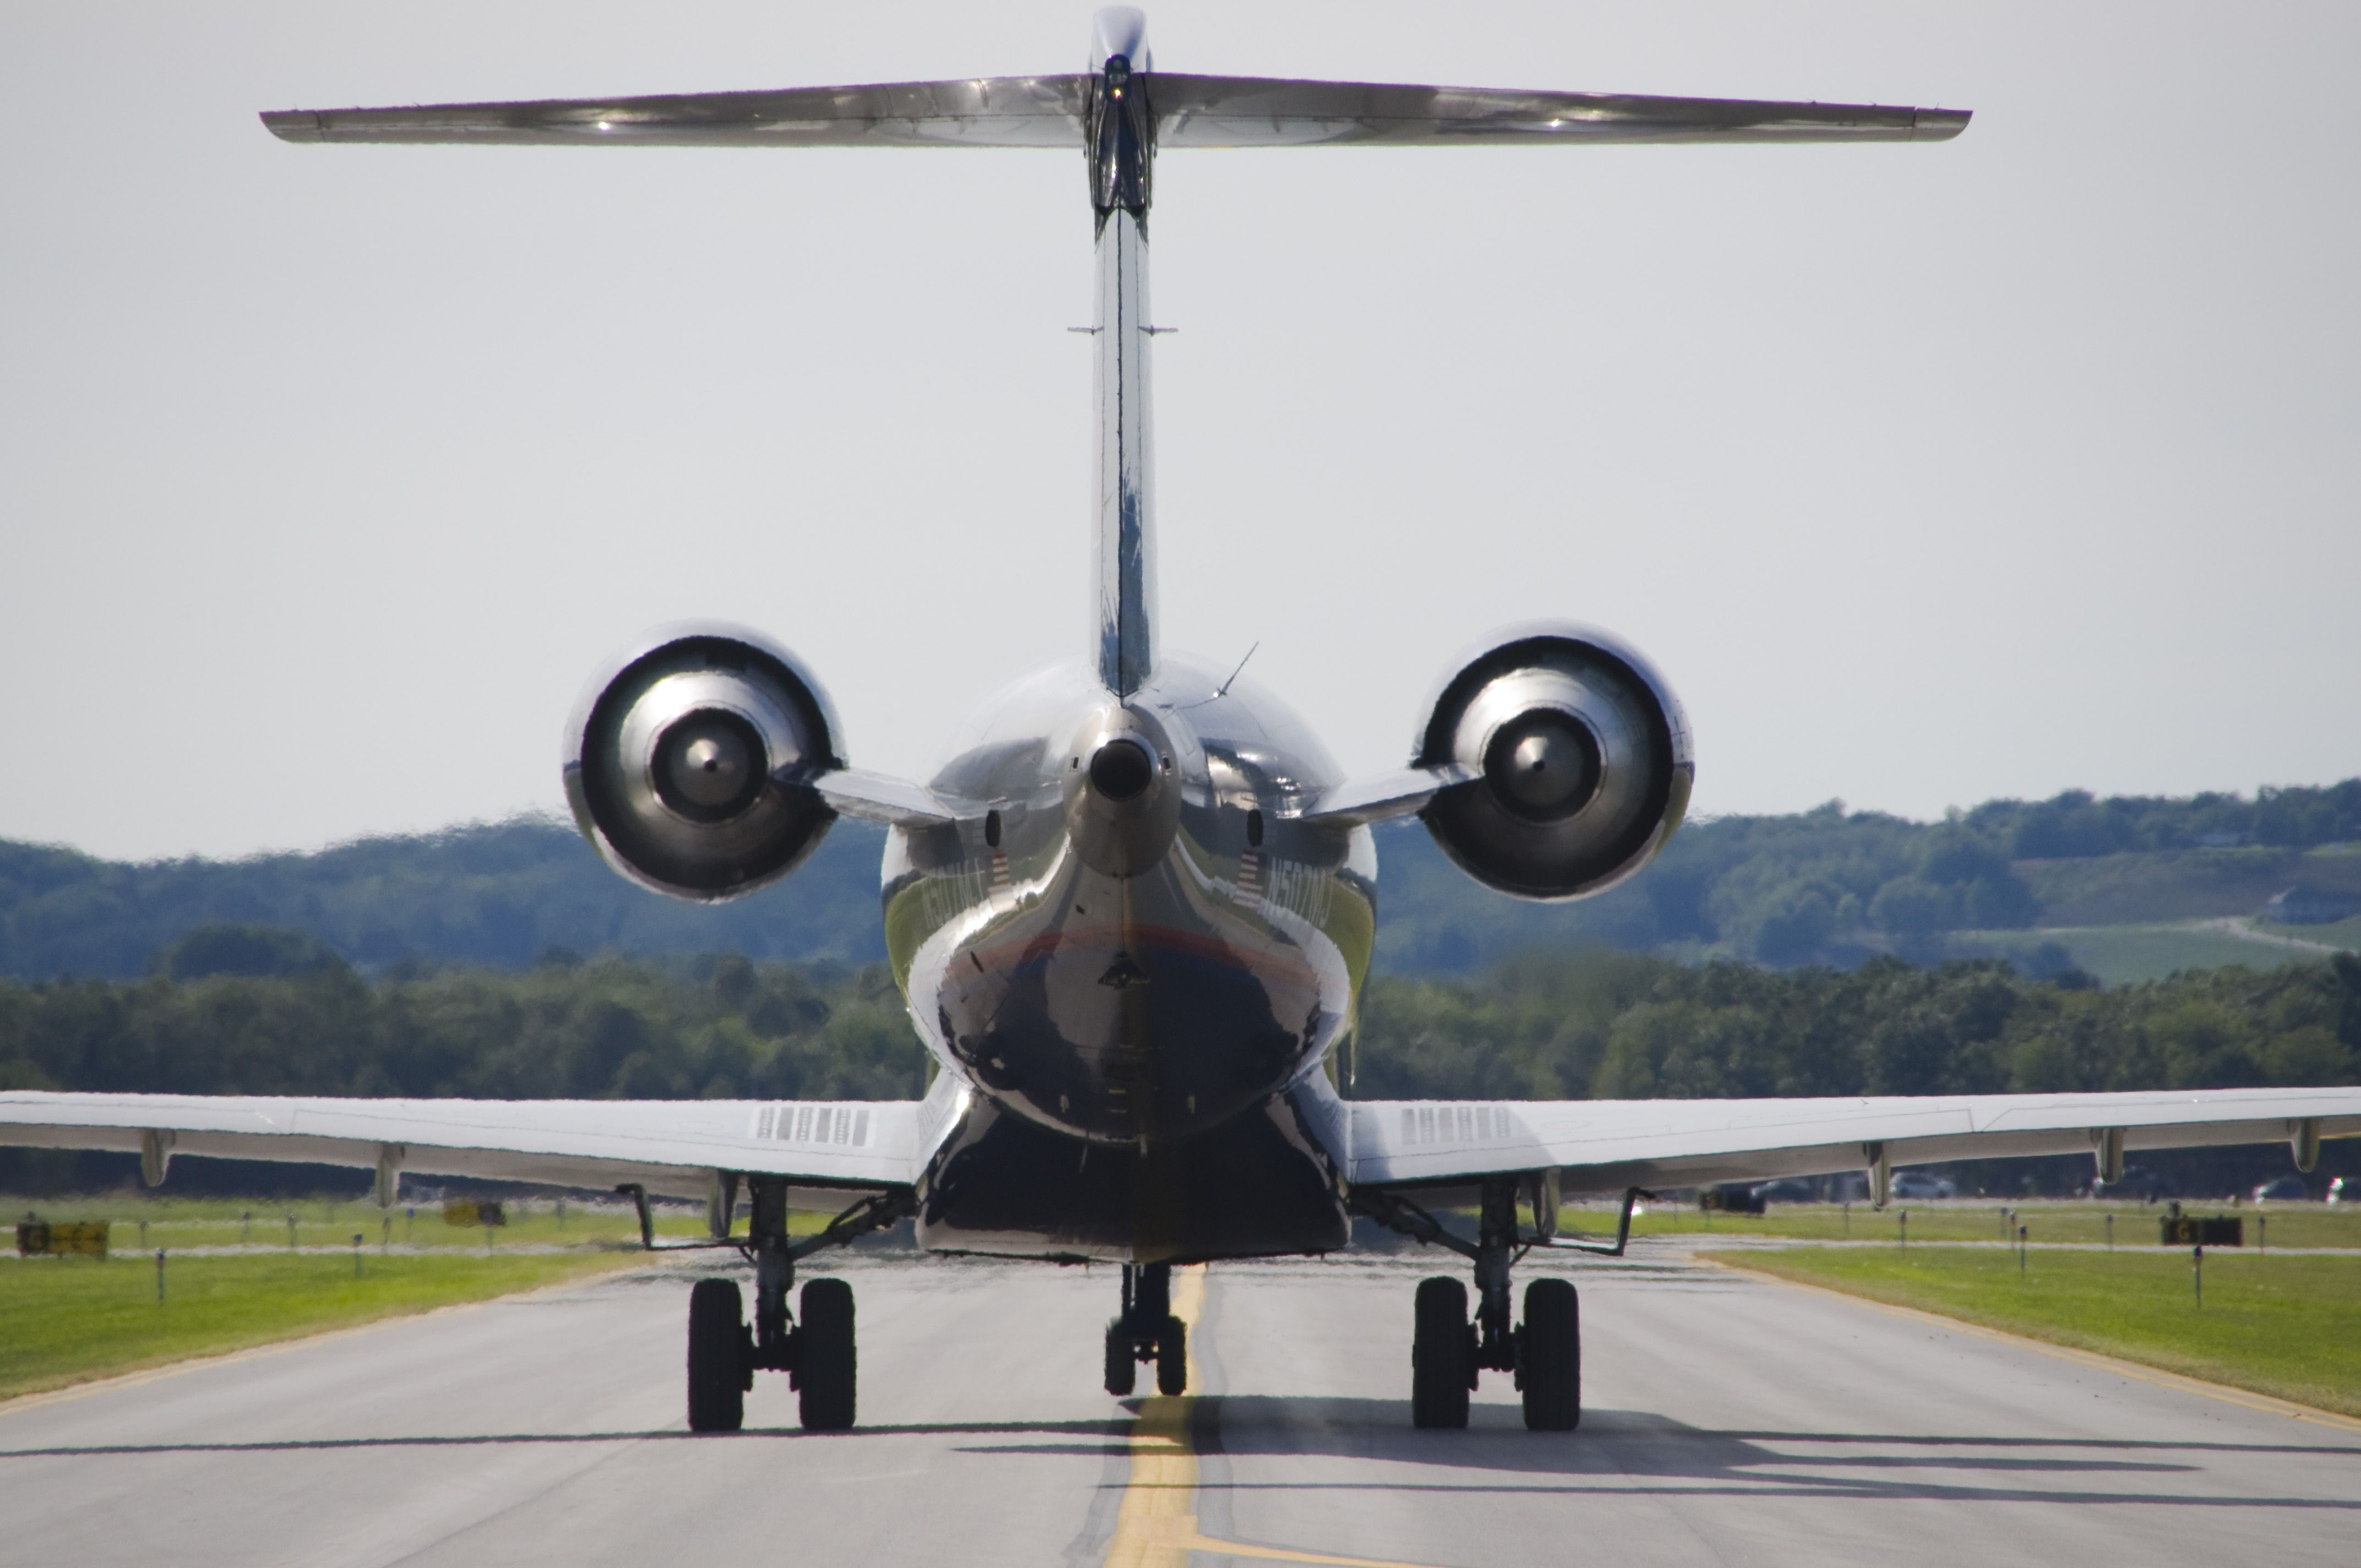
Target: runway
point(1727, 1419)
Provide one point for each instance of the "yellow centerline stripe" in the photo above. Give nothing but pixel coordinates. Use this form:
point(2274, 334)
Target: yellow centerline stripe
point(2246, 1398)
point(1158, 1525)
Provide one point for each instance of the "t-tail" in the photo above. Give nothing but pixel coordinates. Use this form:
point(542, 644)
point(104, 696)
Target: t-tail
point(1121, 112)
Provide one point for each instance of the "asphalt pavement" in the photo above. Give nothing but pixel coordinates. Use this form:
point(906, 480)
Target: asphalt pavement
point(1727, 1419)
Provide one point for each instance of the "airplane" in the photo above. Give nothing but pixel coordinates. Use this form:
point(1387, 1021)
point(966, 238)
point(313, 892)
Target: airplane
point(1132, 914)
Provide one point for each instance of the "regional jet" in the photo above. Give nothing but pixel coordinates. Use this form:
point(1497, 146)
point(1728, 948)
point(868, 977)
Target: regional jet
point(1132, 914)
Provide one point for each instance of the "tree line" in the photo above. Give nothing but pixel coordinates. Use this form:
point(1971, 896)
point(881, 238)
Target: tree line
point(1590, 1025)
point(1621, 1026)
point(1827, 886)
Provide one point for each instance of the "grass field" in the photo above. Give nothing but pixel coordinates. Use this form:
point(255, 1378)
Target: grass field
point(2346, 932)
point(176, 1222)
point(2284, 1326)
point(2123, 955)
point(68, 1320)
point(1956, 1220)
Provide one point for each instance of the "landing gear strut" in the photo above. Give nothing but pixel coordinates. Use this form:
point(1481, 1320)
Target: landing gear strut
point(819, 1355)
point(1449, 1352)
point(1146, 1331)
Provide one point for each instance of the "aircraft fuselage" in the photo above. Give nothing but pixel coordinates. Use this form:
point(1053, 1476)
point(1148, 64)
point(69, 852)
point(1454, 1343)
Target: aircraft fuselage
point(1133, 959)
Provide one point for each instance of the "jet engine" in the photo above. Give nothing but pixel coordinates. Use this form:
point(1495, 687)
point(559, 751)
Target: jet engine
point(1583, 761)
point(689, 763)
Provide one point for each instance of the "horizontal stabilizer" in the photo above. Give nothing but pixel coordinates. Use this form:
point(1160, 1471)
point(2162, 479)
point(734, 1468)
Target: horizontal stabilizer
point(1002, 110)
point(1246, 111)
point(1187, 111)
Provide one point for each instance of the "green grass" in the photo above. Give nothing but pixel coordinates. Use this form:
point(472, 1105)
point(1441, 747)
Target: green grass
point(1978, 1220)
point(176, 1222)
point(69, 1319)
point(2164, 884)
point(2284, 1326)
point(2123, 955)
point(2346, 932)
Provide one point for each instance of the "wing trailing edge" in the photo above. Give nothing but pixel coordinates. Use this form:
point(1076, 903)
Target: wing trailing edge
point(669, 1146)
point(1606, 1145)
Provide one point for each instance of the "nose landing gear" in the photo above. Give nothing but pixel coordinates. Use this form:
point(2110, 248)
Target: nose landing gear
point(1146, 1331)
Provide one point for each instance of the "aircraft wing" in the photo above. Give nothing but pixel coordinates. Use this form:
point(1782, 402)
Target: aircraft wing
point(670, 1146)
point(1606, 1145)
point(1051, 111)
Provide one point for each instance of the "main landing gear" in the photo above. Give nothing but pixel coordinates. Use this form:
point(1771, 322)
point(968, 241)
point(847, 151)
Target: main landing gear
point(1146, 1331)
point(1449, 1352)
point(817, 1354)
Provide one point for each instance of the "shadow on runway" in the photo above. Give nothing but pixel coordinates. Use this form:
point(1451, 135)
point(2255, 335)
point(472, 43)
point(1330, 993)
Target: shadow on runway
point(1115, 1431)
point(1615, 1453)
point(1633, 1453)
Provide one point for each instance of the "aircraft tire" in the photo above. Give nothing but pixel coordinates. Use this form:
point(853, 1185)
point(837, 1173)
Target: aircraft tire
point(1172, 1358)
point(1549, 1356)
point(1439, 1355)
point(717, 1357)
point(826, 1365)
point(1122, 1366)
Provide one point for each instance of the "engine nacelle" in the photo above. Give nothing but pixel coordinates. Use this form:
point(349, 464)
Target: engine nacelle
point(688, 763)
point(1584, 757)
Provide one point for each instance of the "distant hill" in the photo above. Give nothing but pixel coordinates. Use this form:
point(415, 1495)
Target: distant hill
point(1834, 887)
point(1820, 887)
point(505, 896)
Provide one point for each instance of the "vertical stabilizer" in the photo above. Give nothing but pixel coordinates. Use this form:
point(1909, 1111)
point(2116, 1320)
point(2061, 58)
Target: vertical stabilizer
point(1121, 147)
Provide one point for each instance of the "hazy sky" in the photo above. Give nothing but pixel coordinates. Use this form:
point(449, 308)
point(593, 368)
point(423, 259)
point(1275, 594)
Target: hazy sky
point(1926, 472)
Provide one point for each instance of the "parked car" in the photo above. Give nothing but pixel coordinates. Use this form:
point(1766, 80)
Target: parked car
point(1731, 1198)
point(1918, 1184)
point(1790, 1189)
point(2138, 1185)
point(2286, 1190)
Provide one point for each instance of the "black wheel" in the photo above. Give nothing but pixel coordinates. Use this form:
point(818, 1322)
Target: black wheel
point(1438, 1355)
point(1122, 1366)
point(1549, 1356)
point(717, 1357)
point(825, 1362)
point(1172, 1358)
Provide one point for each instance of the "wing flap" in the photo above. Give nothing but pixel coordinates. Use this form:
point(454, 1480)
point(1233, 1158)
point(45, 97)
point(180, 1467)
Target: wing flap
point(1604, 1146)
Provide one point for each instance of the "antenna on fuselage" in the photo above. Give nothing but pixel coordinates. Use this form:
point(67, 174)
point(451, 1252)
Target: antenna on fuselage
point(1224, 689)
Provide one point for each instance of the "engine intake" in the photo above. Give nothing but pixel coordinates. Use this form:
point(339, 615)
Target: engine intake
point(689, 763)
point(1584, 759)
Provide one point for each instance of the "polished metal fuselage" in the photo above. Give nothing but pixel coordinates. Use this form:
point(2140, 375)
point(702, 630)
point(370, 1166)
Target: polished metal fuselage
point(1110, 1011)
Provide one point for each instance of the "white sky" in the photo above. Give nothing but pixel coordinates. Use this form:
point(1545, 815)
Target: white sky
point(1928, 474)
